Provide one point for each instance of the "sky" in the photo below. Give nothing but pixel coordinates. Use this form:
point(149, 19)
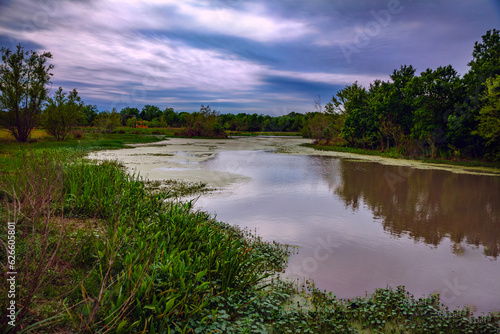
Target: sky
point(258, 56)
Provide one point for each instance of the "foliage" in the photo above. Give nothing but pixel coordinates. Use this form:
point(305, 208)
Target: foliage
point(90, 113)
point(437, 111)
point(489, 117)
point(486, 58)
point(323, 126)
point(204, 124)
point(108, 121)
point(127, 113)
point(292, 122)
point(360, 125)
point(436, 93)
point(131, 122)
point(62, 113)
point(24, 76)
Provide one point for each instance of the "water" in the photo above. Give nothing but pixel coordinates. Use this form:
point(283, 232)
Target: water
point(363, 225)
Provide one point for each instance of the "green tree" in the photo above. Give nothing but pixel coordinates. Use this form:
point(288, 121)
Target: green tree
point(401, 99)
point(437, 92)
point(485, 64)
point(89, 115)
point(171, 117)
point(149, 112)
point(127, 113)
point(24, 76)
point(319, 126)
point(384, 116)
point(360, 124)
point(204, 123)
point(62, 113)
point(485, 61)
point(131, 122)
point(489, 117)
point(108, 121)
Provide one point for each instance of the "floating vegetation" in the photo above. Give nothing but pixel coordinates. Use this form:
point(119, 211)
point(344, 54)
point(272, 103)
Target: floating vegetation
point(177, 188)
point(153, 154)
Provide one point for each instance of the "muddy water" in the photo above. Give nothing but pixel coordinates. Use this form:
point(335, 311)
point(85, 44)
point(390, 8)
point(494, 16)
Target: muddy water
point(360, 225)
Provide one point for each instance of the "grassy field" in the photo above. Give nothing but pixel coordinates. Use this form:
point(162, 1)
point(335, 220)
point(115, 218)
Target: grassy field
point(100, 251)
point(90, 140)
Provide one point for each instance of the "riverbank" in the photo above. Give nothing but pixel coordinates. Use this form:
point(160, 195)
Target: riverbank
point(181, 158)
point(473, 167)
point(126, 258)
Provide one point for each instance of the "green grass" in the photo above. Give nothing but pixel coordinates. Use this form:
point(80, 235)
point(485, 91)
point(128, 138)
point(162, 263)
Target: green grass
point(91, 141)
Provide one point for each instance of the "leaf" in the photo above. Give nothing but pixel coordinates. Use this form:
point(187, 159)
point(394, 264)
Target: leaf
point(121, 326)
point(201, 274)
point(150, 307)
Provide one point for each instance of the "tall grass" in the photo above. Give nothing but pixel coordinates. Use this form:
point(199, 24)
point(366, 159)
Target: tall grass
point(155, 265)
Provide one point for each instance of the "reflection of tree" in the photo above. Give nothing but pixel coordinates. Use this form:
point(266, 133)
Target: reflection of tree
point(428, 205)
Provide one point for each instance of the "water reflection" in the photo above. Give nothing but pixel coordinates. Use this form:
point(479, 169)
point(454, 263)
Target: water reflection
point(363, 225)
point(427, 205)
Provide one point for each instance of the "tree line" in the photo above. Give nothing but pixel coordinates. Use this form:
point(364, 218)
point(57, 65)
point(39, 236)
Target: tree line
point(25, 103)
point(434, 114)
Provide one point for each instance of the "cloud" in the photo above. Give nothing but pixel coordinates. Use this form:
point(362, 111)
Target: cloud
point(252, 55)
point(254, 22)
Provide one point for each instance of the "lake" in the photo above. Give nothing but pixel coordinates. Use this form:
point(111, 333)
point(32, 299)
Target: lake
point(359, 224)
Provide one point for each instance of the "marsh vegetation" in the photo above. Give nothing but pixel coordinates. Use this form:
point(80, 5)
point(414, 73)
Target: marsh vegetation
point(100, 250)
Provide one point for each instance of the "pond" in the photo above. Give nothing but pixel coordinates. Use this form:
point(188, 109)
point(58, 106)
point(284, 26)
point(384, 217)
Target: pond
point(359, 225)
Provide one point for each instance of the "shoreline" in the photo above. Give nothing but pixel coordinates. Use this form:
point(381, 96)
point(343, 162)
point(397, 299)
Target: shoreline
point(186, 165)
point(476, 170)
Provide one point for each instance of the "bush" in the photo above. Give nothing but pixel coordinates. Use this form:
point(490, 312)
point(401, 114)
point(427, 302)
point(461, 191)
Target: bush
point(131, 122)
point(77, 134)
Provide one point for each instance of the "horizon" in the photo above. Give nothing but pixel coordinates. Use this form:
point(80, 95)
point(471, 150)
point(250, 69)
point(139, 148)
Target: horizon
point(253, 57)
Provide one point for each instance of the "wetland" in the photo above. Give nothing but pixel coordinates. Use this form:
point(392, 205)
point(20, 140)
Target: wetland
point(360, 223)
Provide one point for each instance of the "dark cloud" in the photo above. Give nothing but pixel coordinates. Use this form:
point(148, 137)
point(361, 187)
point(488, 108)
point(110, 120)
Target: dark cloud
point(254, 56)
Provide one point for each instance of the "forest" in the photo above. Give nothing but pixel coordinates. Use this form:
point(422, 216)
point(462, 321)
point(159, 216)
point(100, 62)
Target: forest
point(434, 114)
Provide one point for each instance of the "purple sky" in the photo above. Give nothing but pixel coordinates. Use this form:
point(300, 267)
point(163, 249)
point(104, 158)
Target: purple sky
point(258, 56)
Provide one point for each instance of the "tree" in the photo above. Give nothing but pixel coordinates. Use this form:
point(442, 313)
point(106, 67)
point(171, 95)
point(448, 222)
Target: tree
point(108, 121)
point(361, 124)
point(24, 76)
point(486, 58)
point(318, 126)
point(401, 98)
point(89, 115)
point(149, 112)
point(171, 117)
point(489, 117)
point(484, 65)
point(127, 113)
point(437, 93)
point(380, 103)
point(62, 113)
point(204, 124)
